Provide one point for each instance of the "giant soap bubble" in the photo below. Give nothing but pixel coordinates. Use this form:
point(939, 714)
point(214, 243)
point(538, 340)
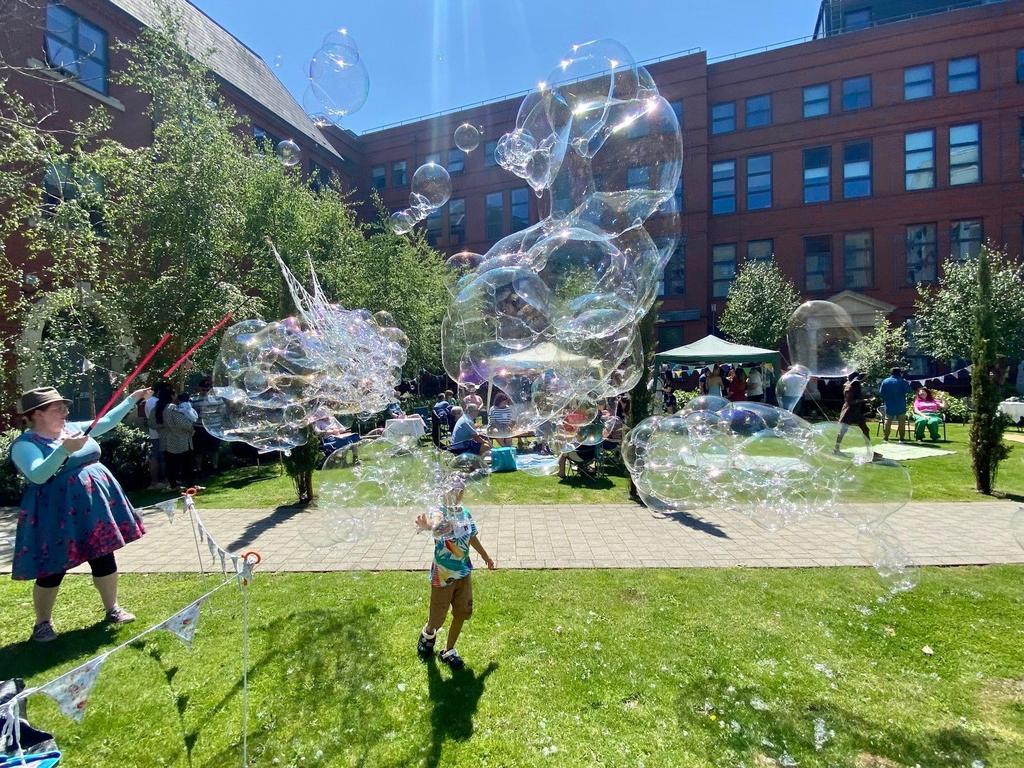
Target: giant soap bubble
point(548, 315)
point(338, 82)
point(821, 338)
point(433, 184)
point(467, 137)
point(277, 379)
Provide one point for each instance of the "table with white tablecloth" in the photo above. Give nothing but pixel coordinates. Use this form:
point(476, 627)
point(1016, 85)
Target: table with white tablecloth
point(1013, 410)
point(412, 426)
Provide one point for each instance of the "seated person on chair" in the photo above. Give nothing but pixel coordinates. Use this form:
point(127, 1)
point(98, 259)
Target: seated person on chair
point(927, 413)
point(465, 437)
point(336, 438)
point(583, 455)
point(612, 431)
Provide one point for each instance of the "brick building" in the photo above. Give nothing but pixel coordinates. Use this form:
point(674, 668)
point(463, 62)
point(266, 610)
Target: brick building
point(863, 158)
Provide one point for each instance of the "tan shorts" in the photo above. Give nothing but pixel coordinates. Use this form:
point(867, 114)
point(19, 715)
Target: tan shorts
point(458, 595)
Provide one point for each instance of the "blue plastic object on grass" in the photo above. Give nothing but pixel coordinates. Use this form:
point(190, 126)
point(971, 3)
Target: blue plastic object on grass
point(503, 459)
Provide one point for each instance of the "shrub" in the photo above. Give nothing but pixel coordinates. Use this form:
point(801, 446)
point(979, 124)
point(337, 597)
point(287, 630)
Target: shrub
point(126, 455)
point(12, 484)
point(954, 409)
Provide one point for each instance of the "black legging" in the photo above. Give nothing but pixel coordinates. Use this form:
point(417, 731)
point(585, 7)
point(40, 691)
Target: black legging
point(101, 566)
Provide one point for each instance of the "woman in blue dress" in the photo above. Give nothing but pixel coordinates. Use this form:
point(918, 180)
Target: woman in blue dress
point(73, 510)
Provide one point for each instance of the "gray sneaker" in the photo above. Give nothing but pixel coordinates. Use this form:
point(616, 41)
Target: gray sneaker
point(118, 615)
point(43, 632)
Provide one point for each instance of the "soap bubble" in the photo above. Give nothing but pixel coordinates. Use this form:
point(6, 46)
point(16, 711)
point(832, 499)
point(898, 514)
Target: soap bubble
point(791, 385)
point(338, 82)
point(342, 46)
point(821, 338)
point(289, 152)
point(401, 222)
point(276, 381)
point(433, 184)
point(467, 137)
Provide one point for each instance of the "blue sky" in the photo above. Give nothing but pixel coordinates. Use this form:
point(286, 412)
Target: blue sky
point(425, 56)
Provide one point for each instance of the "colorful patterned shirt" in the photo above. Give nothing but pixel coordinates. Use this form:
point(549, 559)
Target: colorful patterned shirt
point(452, 532)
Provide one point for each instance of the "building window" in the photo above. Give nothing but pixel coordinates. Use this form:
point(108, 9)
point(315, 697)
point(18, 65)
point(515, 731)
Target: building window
point(723, 118)
point(922, 253)
point(1020, 65)
point(678, 195)
point(677, 108)
point(723, 187)
point(456, 221)
point(76, 47)
point(494, 216)
point(561, 193)
point(854, 20)
point(319, 176)
point(760, 250)
point(816, 100)
point(434, 227)
point(1020, 142)
point(670, 337)
point(858, 271)
point(723, 269)
point(520, 199)
point(965, 238)
point(817, 174)
point(638, 177)
point(456, 160)
point(919, 82)
point(637, 126)
point(965, 154)
point(489, 147)
point(857, 170)
point(378, 178)
point(856, 93)
point(673, 282)
point(399, 173)
point(818, 263)
point(433, 157)
point(963, 74)
point(759, 111)
point(759, 182)
point(919, 160)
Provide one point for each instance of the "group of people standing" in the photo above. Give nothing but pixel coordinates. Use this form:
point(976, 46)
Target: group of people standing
point(734, 383)
point(180, 436)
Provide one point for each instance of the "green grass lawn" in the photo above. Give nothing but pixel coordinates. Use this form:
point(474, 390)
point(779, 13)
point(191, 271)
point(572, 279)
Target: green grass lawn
point(701, 668)
point(941, 478)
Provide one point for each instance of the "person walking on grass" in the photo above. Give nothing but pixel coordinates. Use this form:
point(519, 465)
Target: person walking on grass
point(853, 412)
point(454, 532)
point(894, 391)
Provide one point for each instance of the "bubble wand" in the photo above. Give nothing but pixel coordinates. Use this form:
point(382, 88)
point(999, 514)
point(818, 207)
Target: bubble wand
point(198, 344)
point(138, 369)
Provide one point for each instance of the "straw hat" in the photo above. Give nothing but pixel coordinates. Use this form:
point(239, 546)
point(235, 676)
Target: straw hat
point(38, 398)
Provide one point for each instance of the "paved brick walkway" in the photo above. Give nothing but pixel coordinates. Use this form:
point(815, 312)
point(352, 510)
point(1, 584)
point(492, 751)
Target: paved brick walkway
point(602, 536)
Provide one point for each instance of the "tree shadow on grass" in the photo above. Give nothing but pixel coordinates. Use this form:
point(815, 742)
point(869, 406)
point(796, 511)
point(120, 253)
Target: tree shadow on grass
point(316, 685)
point(27, 659)
point(455, 702)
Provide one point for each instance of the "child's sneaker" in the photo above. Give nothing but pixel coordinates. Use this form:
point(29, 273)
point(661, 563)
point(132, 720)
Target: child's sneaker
point(118, 615)
point(43, 632)
point(452, 659)
point(425, 647)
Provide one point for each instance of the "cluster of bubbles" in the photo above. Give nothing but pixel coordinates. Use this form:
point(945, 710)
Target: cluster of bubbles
point(548, 315)
point(393, 481)
point(337, 82)
point(431, 188)
point(277, 379)
point(772, 466)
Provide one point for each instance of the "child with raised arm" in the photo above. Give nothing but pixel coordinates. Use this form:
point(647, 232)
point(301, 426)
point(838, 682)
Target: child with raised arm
point(454, 532)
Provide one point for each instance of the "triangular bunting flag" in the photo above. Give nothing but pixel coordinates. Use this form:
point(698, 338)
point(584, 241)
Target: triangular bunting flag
point(202, 532)
point(212, 546)
point(87, 365)
point(71, 691)
point(184, 623)
point(223, 563)
point(234, 564)
point(168, 507)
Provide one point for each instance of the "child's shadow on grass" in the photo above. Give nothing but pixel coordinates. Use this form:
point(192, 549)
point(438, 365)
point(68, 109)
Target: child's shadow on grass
point(455, 702)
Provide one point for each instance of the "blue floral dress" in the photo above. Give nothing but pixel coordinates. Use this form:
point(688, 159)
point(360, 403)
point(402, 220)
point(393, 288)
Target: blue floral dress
point(78, 514)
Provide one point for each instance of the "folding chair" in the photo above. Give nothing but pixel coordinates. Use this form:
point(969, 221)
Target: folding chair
point(586, 464)
point(880, 412)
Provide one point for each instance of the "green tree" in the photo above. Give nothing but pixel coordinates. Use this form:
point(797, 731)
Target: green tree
point(945, 312)
point(760, 303)
point(884, 348)
point(987, 447)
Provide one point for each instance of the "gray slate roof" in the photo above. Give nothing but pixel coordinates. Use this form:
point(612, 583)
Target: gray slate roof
point(231, 60)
